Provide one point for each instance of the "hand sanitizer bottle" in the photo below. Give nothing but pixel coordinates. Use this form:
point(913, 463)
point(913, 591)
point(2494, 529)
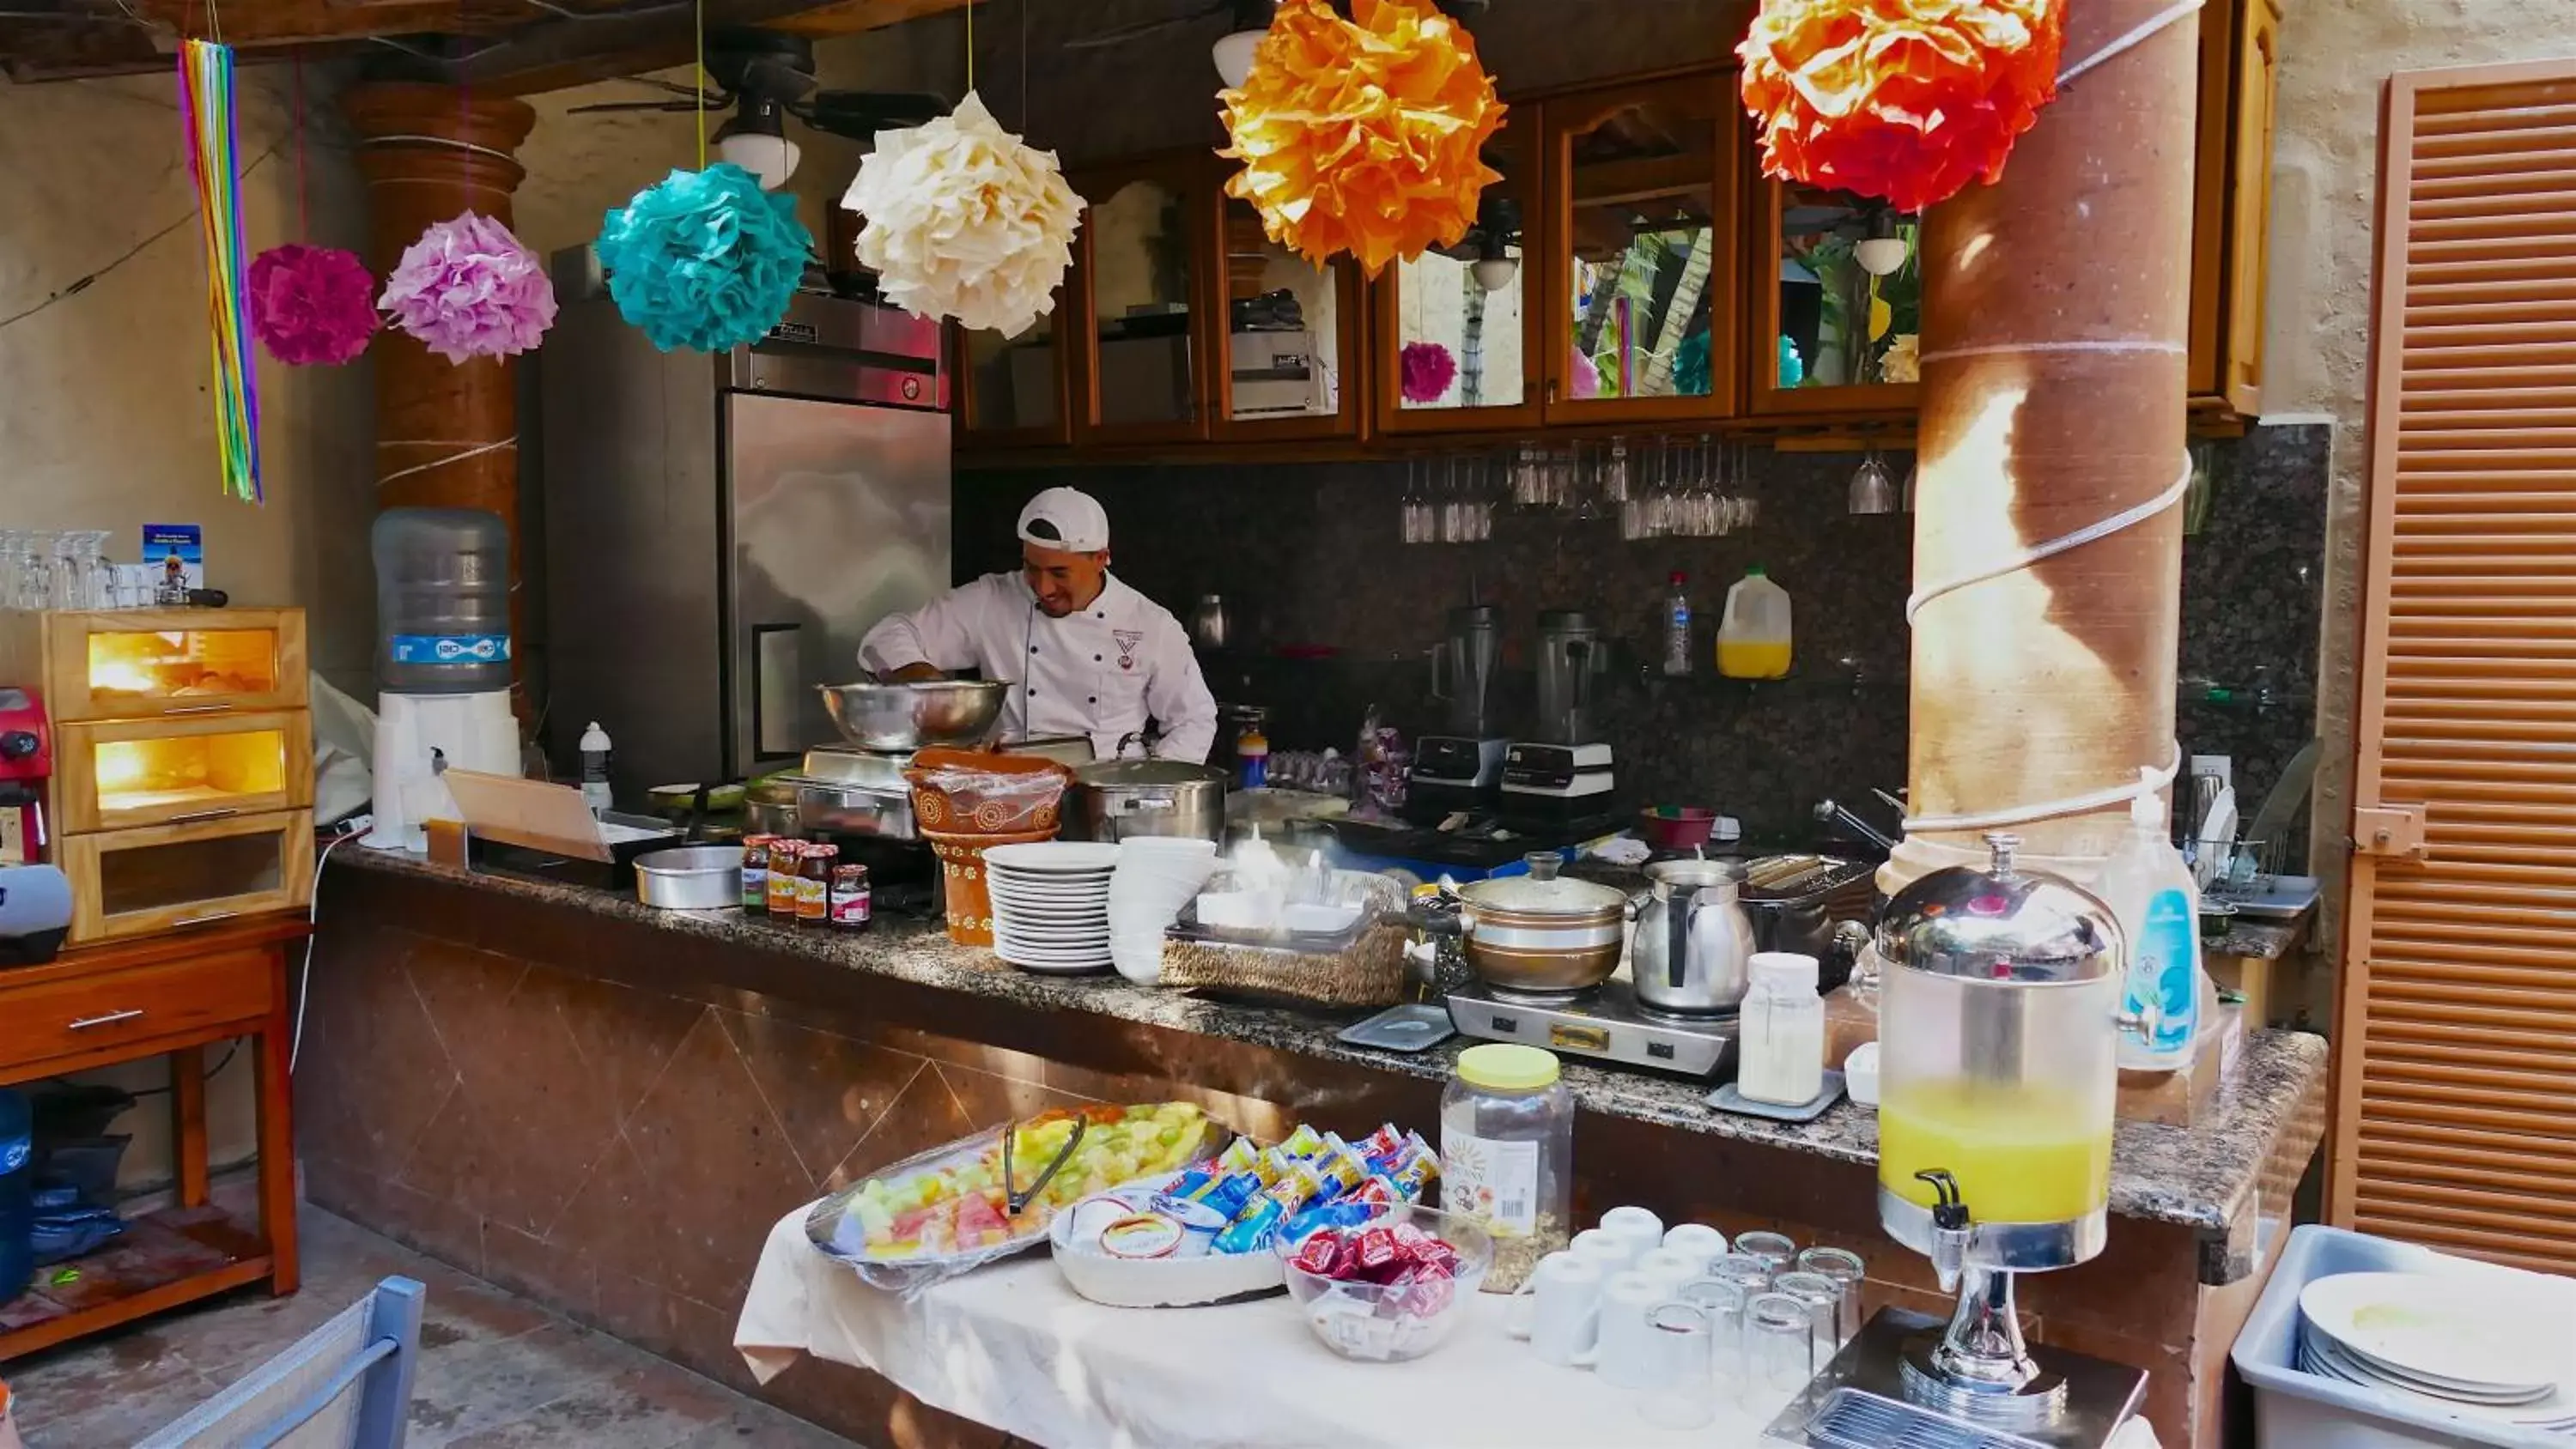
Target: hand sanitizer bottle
point(2150, 891)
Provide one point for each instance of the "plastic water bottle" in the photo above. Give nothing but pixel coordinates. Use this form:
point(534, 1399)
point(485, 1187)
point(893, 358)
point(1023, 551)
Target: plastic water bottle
point(1677, 626)
point(442, 600)
point(594, 769)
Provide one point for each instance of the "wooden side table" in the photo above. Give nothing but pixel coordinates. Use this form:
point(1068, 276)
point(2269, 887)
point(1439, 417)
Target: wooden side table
point(173, 996)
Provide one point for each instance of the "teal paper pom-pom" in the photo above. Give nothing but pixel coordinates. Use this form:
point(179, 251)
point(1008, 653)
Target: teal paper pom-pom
point(1690, 366)
point(704, 259)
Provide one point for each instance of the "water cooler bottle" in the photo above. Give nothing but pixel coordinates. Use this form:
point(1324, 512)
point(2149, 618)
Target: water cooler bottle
point(442, 663)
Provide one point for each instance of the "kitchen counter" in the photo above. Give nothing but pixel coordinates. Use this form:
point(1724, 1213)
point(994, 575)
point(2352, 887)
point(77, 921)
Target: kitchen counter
point(603, 1107)
point(2194, 1176)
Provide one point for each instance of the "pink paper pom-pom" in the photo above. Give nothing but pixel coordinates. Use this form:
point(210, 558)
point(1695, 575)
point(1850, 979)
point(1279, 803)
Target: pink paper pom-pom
point(311, 305)
point(1428, 370)
point(468, 288)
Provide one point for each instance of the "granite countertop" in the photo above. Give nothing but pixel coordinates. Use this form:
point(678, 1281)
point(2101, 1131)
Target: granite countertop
point(2199, 1176)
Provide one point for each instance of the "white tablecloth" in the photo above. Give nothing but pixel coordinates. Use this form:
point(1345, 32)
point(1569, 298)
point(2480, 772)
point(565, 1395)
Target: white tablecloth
point(1011, 1346)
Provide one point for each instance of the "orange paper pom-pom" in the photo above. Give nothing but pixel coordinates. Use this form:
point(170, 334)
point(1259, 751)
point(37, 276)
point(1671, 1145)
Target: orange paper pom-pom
point(1362, 135)
point(1902, 99)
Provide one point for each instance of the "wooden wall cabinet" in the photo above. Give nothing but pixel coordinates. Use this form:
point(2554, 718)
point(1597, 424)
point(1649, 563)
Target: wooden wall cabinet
point(2240, 47)
point(1291, 354)
point(1642, 298)
point(1823, 335)
point(1017, 392)
point(1145, 269)
point(1493, 333)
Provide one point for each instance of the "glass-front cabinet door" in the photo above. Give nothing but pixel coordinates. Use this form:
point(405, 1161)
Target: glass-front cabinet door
point(1837, 325)
point(1291, 339)
point(1643, 250)
point(1142, 257)
point(1458, 334)
point(1017, 391)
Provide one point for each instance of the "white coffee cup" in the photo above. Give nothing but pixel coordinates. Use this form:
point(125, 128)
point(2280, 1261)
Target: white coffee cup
point(1698, 1241)
point(1603, 1249)
point(1560, 1311)
point(1624, 1354)
point(1641, 1228)
point(1669, 1267)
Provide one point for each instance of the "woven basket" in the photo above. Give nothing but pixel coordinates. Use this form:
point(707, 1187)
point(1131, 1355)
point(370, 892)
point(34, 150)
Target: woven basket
point(1366, 967)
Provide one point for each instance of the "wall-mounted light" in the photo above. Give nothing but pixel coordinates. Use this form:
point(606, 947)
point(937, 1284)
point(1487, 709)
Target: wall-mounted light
point(1498, 220)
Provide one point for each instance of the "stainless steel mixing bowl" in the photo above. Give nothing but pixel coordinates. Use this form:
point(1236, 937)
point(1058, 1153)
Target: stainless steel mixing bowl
point(908, 716)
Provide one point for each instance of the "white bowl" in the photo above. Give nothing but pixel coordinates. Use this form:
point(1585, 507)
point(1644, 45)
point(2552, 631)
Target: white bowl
point(1320, 920)
point(1158, 1282)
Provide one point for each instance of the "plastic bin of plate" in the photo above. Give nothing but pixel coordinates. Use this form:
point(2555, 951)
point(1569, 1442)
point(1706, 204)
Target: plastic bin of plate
point(1217, 1232)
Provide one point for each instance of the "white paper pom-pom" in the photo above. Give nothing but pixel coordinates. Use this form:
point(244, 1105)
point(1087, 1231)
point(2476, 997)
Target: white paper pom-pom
point(965, 221)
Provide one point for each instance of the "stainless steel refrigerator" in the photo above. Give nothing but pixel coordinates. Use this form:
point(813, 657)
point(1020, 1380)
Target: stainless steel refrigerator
point(721, 530)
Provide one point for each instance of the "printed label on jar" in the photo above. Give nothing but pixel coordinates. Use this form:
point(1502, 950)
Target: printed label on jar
point(1496, 1182)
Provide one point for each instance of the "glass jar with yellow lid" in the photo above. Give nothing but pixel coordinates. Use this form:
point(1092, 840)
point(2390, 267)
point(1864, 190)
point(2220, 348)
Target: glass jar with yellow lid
point(1507, 1154)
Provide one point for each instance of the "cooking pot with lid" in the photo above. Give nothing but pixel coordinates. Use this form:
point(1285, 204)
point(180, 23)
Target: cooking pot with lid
point(1114, 799)
point(1542, 934)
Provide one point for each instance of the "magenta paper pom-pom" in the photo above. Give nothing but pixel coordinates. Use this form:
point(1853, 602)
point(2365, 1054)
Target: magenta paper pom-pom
point(1428, 370)
point(468, 288)
point(311, 305)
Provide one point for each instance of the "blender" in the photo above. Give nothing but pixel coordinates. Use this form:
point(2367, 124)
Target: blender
point(1458, 770)
point(1561, 775)
point(1999, 1023)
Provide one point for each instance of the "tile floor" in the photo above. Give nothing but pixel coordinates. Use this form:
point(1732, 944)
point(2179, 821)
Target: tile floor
point(496, 1372)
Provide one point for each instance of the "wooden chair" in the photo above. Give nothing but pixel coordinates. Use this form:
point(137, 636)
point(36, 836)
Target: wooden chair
point(345, 1385)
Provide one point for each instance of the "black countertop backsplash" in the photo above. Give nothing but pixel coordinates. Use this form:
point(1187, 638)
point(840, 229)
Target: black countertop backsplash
point(1310, 555)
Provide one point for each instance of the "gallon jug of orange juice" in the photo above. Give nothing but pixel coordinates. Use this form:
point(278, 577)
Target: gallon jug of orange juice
point(1753, 636)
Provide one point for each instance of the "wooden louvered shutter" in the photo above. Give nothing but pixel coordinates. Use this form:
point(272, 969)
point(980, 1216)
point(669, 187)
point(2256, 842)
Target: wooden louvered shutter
point(2455, 1081)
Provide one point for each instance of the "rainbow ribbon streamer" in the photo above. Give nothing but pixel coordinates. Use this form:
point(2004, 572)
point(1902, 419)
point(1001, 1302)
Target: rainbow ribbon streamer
point(214, 163)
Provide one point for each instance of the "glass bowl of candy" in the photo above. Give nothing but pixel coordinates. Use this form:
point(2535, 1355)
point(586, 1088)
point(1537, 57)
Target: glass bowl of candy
point(1392, 1289)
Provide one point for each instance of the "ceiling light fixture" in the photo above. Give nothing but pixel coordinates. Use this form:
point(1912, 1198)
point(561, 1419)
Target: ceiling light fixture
point(1880, 251)
point(755, 139)
point(1233, 51)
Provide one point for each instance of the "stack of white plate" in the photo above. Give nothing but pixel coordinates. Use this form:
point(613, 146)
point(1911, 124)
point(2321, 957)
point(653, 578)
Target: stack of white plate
point(1051, 904)
point(1156, 876)
point(2472, 1347)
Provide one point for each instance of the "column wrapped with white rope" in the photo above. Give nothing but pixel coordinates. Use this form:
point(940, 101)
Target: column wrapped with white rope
point(2047, 550)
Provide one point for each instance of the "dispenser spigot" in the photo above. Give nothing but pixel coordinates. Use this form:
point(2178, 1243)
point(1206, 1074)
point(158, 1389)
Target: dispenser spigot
point(1950, 1228)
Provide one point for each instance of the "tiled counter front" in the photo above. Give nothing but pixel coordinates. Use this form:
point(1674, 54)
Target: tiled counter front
point(605, 1110)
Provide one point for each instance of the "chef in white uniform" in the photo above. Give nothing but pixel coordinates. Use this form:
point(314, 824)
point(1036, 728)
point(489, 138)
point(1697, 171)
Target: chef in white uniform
point(1085, 653)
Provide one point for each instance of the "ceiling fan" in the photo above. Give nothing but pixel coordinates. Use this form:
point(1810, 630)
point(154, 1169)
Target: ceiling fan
point(1247, 21)
point(765, 77)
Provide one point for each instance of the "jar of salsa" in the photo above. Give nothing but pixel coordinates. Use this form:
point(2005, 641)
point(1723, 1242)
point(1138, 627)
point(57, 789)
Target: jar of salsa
point(755, 872)
point(814, 884)
point(850, 897)
point(785, 858)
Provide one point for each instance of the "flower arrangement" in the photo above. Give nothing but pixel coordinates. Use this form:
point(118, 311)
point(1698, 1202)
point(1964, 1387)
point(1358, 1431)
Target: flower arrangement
point(965, 220)
point(1908, 100)
point(311, 305)
point(1427, 370)
point(1362, 135)
point(704, 260)
point(468, 288)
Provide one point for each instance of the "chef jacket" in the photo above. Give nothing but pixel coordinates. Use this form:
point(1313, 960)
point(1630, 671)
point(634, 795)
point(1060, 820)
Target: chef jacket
point(1100, 671)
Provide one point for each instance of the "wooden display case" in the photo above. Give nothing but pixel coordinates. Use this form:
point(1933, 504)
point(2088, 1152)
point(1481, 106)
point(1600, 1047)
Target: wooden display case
point(134, 663)
point(110, 774)
point(1492, 332)
point(155, 878)
point(1145, 269)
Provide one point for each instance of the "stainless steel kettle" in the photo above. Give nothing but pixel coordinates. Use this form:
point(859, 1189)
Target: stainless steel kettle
point(1693, 951)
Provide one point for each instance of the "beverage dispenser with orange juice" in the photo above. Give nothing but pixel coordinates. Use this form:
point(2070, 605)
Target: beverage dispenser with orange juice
point(1999, 1024)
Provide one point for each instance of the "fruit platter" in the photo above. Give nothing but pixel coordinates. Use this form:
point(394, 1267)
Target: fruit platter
point(979, 1198)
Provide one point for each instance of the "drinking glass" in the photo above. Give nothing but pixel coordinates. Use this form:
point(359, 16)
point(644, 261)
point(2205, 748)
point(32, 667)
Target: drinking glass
point(1845, 1269)
point(1779, 1352)
point(1682, 1368)
point(36, 569)
point(98, 576)
point(1614, 471)
point(13, 543)
point(1723, 1302)
point(1873, 490)
point(1745, 1271)
point(1824, 1299)
point(1414, 511)
point(1774, 1251)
